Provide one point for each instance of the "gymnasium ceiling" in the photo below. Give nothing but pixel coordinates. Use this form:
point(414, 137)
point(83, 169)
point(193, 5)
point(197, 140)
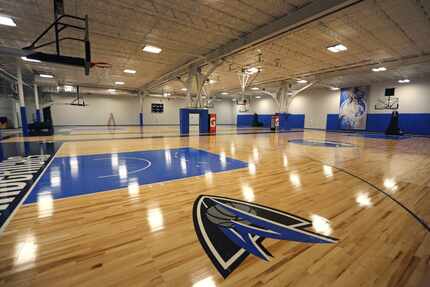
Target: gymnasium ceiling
point(392, 33)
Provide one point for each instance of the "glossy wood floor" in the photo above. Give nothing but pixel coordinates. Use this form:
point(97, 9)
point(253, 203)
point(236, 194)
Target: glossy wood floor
point(147, 238)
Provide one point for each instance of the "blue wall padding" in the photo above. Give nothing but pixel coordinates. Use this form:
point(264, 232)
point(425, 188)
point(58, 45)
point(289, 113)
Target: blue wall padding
point(378, 122)
point(333, 122)
point(296, 121)
point(184, 120)
point(415, 123)
point(286, 121)
point(409, 123)
point(141, 119)
point(24, 122)
point(244, 120)
point(38, 116)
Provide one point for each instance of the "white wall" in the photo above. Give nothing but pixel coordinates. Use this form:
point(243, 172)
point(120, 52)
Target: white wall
point(170, 115)
point(413, 97)
point(315, 104)
point(7, 109)
point(10, 108)
point(125, 110)
point(225, 112)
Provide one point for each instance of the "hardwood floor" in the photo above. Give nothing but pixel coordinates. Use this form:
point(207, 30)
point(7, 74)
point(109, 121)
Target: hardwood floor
point(146, 237)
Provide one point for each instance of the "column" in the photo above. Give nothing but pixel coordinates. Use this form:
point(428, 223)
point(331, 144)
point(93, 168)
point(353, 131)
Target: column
point(36, 101)
point(24, 123)
point(141, 109)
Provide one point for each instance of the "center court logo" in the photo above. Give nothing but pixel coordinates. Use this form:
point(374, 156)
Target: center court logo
point(229, 230)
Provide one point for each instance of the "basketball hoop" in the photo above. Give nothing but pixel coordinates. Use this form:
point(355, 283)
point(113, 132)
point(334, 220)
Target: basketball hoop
point(102, 71)
point(101, 65)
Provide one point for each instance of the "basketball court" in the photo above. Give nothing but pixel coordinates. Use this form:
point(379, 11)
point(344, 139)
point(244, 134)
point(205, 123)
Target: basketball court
point(215, 143)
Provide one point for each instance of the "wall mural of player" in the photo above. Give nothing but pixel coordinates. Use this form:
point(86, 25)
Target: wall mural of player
point(353, 108)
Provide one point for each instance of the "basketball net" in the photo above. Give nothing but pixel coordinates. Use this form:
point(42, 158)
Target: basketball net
point(103, 72)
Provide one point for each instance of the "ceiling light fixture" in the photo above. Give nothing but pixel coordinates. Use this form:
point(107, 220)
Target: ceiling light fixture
point(300, 81)
point(30, 60)
point(379, 69)
point(152, 49)
point(258, 97)
point(253, 70)
point(184, 89)
point(111, 90)
point(404, 81)
point(7, 21)
point(334, 88)
point(212, 81)
point(255, 88)
point(46, 76)
point(119, 83)
point(337, 48)
point(224, 93)
point(130, 71)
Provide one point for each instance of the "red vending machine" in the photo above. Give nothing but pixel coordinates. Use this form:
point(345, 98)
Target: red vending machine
point(212, 123)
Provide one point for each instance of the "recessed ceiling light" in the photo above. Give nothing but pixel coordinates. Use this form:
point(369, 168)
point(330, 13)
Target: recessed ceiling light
point(130, 71)
point(184, 89)
point(152, 49)
point(7, 21)
point(111, 90)
point(379, 69)
point(253, 70)
point(46, 76)
point(300, 81)
point(255, 88)
point(119, 83)
point(404, 81)
point(224, 93)
point(337, 48)
point(30, 60)
point(334, 88)
point(258, 97)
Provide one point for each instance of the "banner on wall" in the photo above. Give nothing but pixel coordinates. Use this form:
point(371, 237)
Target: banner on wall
point(353, 108)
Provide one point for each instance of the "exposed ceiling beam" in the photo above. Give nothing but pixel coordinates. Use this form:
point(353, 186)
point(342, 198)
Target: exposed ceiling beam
point(293, 20)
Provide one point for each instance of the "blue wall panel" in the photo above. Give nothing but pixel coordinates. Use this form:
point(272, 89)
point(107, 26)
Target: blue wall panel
point(333, 122)
point(415, 123)
point(296, 121)
point(266, 120)
point(24, 122)
point(409, 123)
point(287, 121)
point(378, 122)
point(184, 120)
point(246, 120)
